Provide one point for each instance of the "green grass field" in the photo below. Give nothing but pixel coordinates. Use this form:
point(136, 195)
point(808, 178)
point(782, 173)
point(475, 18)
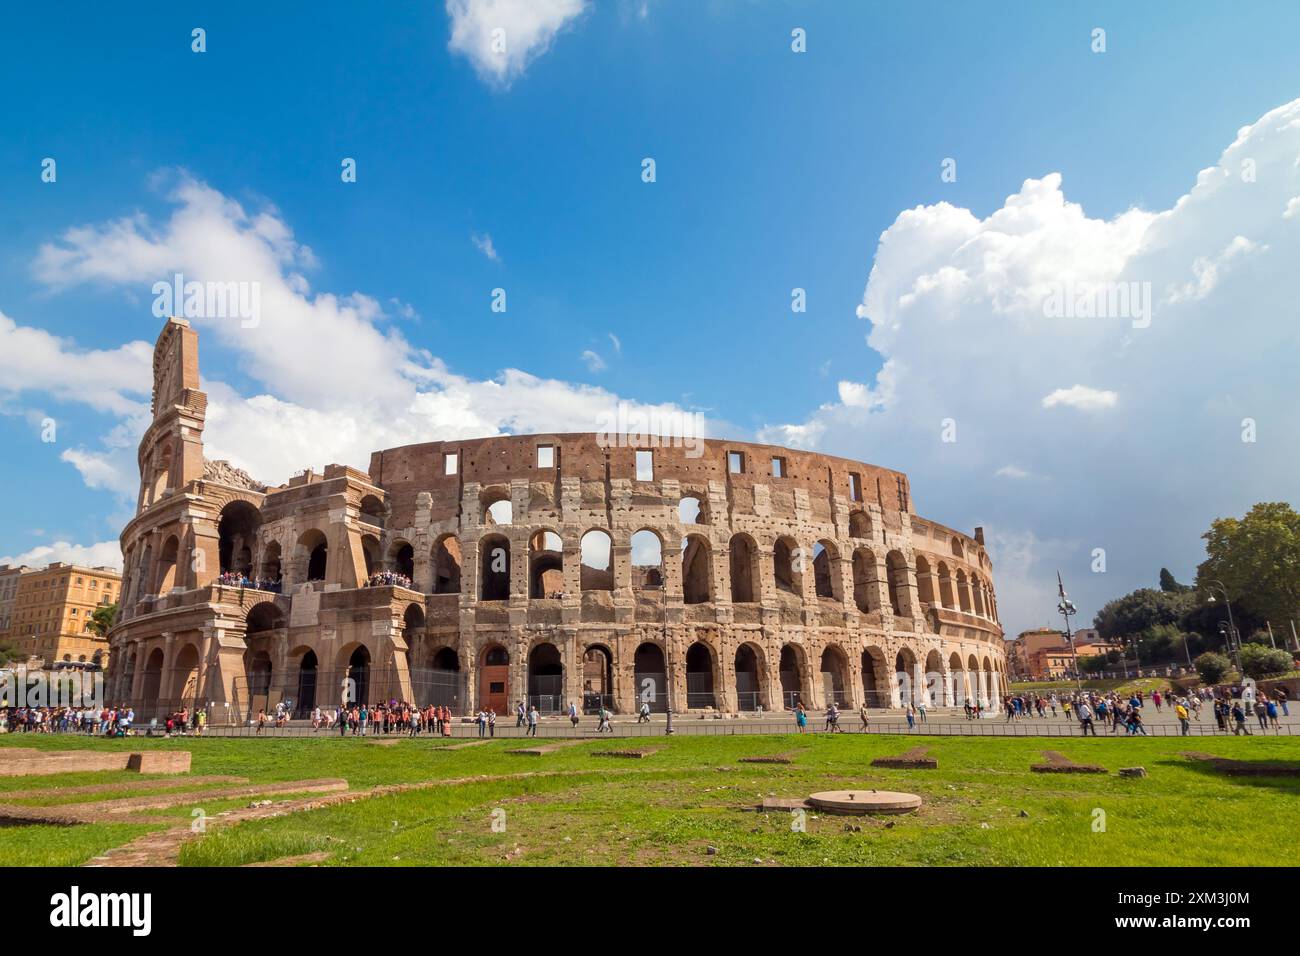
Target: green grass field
point(983, 807)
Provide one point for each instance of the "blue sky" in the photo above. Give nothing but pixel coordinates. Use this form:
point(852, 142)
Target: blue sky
point(775, 170)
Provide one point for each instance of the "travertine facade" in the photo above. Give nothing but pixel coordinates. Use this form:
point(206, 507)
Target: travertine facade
point(557, 568)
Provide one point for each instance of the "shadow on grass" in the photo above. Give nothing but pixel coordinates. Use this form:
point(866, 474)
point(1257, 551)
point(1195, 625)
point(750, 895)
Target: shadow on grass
point(1283, 775)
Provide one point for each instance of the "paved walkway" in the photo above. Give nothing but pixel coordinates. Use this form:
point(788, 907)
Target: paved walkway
point(946, 721)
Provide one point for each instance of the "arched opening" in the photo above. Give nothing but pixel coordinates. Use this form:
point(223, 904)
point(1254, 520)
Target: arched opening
point(167, 572)
point(957, 549)
point(401, 558)
point(446, 565)
point(494, 565)
point(372, 511)
point(826, 566)
point(151, 690)
point(597, 569)
point(749, 689)
point(963, 592)
point(787, 565)
point(272, 571)
point(236, 535)
point(498, 508)
point(545, 565)
point(934, 679)
point(597, 679)
point(413, 624)
point(957, 681)
point(370, 552)
point(924, 582)
point(307, 669)
point(977, 593)
point(649, 674)
point(945, 588)
point(162, 473)
point(905, 675)
point(986, 683)
point(259, 679)
point(185, 674)
point(699, 676)
point(358, 686)
point(647, 560)
point(313, 546)
point(494, 673)
point(262, 618)
point(896, 574)
point(744, 569)
point(866, 585)
point(875, 688)
point(697, 584)
point(791, 669)
point(445, 659)
point(835, 675)
point(546, 679)
point(859, 524)
point(691, 510)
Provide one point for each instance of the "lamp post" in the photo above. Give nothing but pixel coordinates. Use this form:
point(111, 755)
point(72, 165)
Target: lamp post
point(1234, 636)
point(1067, 609)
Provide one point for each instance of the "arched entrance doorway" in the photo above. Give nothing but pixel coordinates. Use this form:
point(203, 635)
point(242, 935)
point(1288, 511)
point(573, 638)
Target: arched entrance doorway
point(358, 689)
point(875, 692)
point(151, 689)
point(905, 674)
point(748, 684)
point(791, 677)
point(494, 673)
point(650, 677)
point(597, 679)
point(546, 679)
point(439, 683)
point(699, 677)
point(835, 671)
point(307, 684)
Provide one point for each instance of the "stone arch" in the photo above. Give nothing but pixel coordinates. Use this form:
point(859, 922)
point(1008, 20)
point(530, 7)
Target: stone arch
point(162, 472)
point(701, 676)
point(313, 550)
point(446, 565)
point(977, 593)
point(751, 672)
point(185, 673)
point(308, 671)
point(596, 548)
point(963, 592)
point(826, 570)
point(835, 675)
point(237, 528)
point(371, 553)
point(924, 581)
point(957, 550)
point(792, 668)
point(413, 625)
point(692, 509)
point(257, 665)
point(272, 567)
point(355, 661)
point(905, 676)
point(647, 559)
point(401, 558)
point(546, 678)
point(151, 689)
point(957, 680)
point(934, 680)
point(743, 558)
point(262, 617)
point(859, 524)
point(545, 564)
point(597, 677)
point(787, 565)
point(168, 576)
point(697, 570)
point(946, 597)
point(875, 678)
point(494, 568)
point(649, 674)
point(866, 586)
point(494, 677)
point(497, 507)
point(372, 511)
point(896, 576)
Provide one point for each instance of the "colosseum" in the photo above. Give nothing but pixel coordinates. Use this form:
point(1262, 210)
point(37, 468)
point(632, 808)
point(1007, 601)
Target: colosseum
point(723, 577)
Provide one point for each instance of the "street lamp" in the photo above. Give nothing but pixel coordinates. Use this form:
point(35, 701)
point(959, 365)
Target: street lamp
point(1233, 635)
point(1067, 609)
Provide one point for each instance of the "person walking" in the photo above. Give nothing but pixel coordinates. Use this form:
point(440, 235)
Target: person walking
point(1184, 718)
point(1239, 720)
point(573, 714)
point(800, 717)
point(492, 722)
point(911, 716)
point(865, 718)
point(1271, 708)
point(532, 721)
point(481, 720)
point(643, 715)
point(1085, 719)
point(520, 715)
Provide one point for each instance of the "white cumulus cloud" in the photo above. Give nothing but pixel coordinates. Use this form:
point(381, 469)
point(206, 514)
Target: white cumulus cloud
point(501, 37)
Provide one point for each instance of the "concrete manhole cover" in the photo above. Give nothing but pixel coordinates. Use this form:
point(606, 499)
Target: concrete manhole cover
point(865, 801)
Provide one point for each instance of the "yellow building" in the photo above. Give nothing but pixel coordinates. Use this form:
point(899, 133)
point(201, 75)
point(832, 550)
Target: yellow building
point(51, 609)
point(8, 594)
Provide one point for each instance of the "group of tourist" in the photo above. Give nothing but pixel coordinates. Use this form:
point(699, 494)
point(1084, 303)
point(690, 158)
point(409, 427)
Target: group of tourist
point(1089, 708)
point(391, 717)
point(105, 722)
point(388, 579)
point(237, 579)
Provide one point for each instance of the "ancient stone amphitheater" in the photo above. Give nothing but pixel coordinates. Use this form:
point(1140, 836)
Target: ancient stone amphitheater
point(722, 576)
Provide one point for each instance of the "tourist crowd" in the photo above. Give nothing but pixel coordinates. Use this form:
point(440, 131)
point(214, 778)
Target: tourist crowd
point(106, 722)
point(388, 579)
point(237, 579)
point(1090, 709)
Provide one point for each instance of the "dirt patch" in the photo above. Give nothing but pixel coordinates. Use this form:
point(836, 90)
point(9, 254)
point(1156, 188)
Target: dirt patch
point(1244, 768)
point(318, 857)
point(632, 754)
point(915, 759)
point(1058, 762)
point(542, 749)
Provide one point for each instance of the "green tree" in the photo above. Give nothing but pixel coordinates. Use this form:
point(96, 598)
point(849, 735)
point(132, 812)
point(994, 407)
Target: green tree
point(1169, 585)
point(1258, 560)
point(1259, 661)
point(1212, 667)
point(101, 619)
